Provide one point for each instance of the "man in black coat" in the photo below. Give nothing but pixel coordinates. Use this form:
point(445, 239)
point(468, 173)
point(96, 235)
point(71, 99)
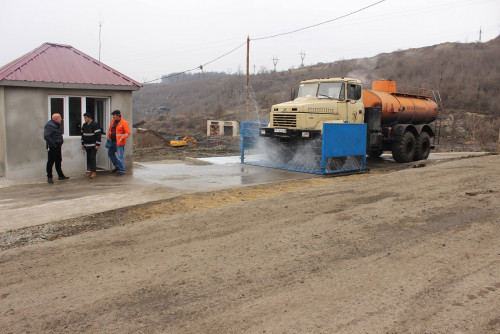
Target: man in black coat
point(91, 140)
point(53, 135)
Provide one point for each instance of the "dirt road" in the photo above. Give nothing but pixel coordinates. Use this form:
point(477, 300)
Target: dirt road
point(410, 251)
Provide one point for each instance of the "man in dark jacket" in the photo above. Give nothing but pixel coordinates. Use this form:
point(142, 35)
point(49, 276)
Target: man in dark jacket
point(91, 140)
point(53, 135)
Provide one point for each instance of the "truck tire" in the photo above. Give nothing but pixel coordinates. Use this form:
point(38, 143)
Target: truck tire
point(404, 150)
point(422, 146)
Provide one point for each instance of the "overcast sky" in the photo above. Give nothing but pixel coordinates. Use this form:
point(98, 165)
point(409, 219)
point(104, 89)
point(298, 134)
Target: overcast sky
point(150, 38)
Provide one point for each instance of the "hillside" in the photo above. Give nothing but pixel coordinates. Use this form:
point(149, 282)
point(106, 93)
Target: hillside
point(466, 74)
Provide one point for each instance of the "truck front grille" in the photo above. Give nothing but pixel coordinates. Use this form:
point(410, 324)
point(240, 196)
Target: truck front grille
point(323, 110)
point(285, 120)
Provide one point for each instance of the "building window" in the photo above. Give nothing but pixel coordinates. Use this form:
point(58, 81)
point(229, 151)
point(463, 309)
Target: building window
point(72, 108)
point(57, 107)
point(75, 116)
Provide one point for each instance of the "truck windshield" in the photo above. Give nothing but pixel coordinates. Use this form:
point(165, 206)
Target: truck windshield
point(331, 90)
point(326, 90)
point(308, 90)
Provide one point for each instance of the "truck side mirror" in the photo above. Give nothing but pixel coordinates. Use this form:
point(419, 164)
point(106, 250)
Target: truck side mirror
point(292, 95)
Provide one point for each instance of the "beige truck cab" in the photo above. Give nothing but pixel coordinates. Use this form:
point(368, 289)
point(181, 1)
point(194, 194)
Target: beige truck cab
point(332, 100)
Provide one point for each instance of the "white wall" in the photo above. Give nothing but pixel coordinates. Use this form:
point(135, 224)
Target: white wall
point(3, 140)
point(221, 125)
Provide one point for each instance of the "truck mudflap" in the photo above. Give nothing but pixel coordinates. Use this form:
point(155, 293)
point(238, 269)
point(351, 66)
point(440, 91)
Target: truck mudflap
point(286, 133)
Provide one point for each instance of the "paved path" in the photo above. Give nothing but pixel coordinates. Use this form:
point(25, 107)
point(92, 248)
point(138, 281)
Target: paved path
point(37, 202)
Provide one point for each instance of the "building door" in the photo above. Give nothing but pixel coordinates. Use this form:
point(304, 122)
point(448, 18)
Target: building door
point(228, 130)
point(99, 107)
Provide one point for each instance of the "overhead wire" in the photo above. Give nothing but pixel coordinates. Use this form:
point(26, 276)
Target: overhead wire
point(318, 24)
point(172, 75)
point(236, 48)
point(200, 67)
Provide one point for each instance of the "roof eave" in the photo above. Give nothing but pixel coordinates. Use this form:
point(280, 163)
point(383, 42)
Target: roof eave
point(36, 84)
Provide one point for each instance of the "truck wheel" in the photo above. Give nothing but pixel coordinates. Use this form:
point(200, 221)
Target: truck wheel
point(404, 150)
point(422, 146)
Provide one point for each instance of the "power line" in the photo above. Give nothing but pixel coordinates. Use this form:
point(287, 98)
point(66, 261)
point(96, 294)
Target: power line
point(318, 24)
point(172, 75)
point(198, 67)
point(225, 54)
point(267, 37)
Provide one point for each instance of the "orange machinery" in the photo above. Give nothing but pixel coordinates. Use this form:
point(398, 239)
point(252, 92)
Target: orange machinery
point(181, 142)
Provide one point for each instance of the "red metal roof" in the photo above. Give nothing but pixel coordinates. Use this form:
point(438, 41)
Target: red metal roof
point(63, 64)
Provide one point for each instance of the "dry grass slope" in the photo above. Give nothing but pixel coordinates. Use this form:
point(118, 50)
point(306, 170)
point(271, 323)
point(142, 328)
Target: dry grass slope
point(466, 74)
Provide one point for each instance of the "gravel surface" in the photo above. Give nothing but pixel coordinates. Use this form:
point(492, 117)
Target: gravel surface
point(407, 251)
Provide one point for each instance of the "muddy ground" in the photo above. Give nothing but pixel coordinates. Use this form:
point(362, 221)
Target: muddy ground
point(152, 146)
point(400, 251)
point(181, 153)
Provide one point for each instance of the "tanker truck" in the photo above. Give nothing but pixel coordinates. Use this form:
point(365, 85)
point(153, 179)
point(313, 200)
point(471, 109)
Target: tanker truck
point(399, 119)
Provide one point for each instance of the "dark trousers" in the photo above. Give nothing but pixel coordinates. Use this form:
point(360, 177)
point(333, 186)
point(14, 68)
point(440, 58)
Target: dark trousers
point(91, 159)
point(54, 156)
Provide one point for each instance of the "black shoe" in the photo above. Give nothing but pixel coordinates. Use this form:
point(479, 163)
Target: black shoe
point(63, 177)
point(49, 180)
point(120, 174)
point(116, 170)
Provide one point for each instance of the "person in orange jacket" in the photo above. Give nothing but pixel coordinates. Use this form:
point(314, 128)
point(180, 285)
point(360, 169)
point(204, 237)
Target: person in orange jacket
point(118, 132)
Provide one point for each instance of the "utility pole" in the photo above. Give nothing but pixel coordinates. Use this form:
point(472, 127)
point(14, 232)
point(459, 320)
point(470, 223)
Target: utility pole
point(100, 27)
point(275, 61)
point(302, 56)
point(248, 76)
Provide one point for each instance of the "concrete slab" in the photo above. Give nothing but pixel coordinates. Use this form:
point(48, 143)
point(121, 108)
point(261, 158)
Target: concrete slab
point(35, 202)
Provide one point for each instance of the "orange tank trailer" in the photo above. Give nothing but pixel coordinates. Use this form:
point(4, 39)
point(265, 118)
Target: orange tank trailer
point(401, 105)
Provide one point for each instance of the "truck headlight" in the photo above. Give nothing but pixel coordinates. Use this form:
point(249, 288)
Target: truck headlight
point(305, 134)
point(262, 131)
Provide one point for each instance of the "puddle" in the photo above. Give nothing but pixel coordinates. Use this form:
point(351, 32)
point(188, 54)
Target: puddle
point(207, 174)
point(219, 173)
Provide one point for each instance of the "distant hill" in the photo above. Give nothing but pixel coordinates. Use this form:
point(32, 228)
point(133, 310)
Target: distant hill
point(466, 74)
